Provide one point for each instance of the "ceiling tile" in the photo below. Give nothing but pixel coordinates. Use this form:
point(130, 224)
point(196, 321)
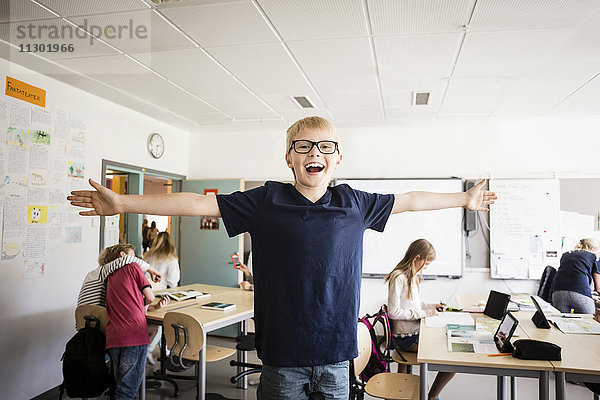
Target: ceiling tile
point(393, 17)
point(285, 103)
point(474, 96)
point(585, 101)
point(412, 78)
point(213, 87)
point(68, 8)
point(254, 59)
point(343, 81)
point(403, 98)
point(14, 11)
point(316, 19)
point(351, 100)
point(135, 32)
point(358, 114)
point(107, 65)
point(410, 112)
point(351, 55)
point(530, 14)
point(431, 50)
point(292, 84)
point(242, 107)
point(222, 24)
point(295, 115)
point(506, 47)
point(182, 64)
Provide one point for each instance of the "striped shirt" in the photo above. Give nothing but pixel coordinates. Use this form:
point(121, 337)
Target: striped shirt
point(93, 289)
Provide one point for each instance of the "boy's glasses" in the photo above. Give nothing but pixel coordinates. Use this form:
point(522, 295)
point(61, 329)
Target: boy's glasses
point(305, 146)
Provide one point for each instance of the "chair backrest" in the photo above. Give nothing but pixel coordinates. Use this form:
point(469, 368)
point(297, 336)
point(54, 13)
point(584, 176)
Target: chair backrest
point(184, 334)
point(545, 289)
point(92, 310)
point(364, 348)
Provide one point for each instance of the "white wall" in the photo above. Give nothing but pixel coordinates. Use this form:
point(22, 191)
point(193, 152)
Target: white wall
point(37, 315)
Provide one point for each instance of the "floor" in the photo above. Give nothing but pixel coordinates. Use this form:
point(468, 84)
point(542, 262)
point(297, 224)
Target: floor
point(462, 387)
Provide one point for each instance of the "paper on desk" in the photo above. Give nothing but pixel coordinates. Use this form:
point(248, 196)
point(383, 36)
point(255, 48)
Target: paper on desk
point(471, 342)
point(577, 325)
point(445, 318)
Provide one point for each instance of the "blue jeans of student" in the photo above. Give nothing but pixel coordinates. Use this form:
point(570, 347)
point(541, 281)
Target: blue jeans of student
point(129, 367)
point(330, 382)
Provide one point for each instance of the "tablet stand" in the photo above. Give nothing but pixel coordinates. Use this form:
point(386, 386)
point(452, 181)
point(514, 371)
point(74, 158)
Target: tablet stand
point(540, 321)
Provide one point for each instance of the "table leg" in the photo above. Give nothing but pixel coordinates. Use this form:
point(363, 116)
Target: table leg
point(501, 387)
point(559, 378)
point(201, 393)
point(424, 384)
point(513, 388)
point(544, 385)
point(242, 356)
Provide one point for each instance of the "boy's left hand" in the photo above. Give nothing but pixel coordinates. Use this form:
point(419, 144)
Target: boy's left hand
point(478, 198)
point(163, 302)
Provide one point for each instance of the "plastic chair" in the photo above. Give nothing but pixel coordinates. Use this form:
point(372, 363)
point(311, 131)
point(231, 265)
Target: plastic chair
point(184, 335)
point(405, 358)
point(386, 385)
point(245, 344)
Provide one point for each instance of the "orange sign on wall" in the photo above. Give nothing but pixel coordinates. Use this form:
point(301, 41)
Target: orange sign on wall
point(23, 91)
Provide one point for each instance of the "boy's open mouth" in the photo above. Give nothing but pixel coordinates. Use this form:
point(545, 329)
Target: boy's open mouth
point(314, 167)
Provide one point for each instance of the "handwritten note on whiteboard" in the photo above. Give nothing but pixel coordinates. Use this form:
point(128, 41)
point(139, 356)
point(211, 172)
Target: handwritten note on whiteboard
point(524, 227)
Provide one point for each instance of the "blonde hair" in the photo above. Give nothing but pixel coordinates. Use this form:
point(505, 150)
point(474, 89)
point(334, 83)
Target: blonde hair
point(406, 266)
point(113, 252)
point(589, 244)
point(317, 123)
point(163, 247)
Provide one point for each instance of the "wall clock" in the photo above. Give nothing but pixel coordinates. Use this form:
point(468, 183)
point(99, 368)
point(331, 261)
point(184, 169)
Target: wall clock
point(156, 145)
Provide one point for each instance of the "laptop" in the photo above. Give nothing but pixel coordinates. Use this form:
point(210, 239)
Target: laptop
point(539, 319)
point(497, 304)
point(504, 333)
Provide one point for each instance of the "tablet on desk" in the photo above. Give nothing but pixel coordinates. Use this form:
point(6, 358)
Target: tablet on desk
point(539, 319)
point(496, 305)
point(504, 333)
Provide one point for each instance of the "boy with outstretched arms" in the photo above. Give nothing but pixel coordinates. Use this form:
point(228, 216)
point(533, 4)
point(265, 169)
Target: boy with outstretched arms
point(307, 243)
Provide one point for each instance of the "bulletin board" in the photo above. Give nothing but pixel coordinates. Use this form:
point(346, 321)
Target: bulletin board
point(524, 227)
point(443, 228)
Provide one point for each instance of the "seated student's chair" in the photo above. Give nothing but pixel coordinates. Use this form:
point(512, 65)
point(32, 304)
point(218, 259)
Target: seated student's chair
point(245, 344)
point(184, 335)
point(90, 310)
point(405, 358)
point(386, 385)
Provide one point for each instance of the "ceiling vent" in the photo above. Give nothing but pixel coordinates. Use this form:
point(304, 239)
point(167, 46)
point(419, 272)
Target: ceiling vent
point(420, 98)
point(302, 101)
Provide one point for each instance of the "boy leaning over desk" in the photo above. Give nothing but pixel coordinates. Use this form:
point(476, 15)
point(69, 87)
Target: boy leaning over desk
point(307, 243)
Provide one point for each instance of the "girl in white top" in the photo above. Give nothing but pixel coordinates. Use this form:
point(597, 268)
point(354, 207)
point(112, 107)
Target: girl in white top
point(163, 258)
point(405, 308)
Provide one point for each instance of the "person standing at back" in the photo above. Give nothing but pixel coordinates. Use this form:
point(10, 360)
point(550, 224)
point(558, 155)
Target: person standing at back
point(307, 243)
point(151, 234)
point(578, 270)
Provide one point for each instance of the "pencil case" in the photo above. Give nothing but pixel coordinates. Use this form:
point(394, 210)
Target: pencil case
point(529, 349)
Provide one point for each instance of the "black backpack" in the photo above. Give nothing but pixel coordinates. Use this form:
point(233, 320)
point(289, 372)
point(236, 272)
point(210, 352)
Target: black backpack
point(85, 371)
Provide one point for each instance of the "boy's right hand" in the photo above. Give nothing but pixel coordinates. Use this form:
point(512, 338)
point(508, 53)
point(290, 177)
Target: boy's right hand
point(163, 302)
point(430, 313)
point(102, 201)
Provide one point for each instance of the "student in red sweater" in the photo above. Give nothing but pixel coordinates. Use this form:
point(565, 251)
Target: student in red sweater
point(127, 292)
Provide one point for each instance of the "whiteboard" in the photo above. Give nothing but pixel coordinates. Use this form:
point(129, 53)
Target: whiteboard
point(524, 227)
point(443, 228)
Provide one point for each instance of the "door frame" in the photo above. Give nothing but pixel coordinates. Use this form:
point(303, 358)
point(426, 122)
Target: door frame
point(136, 176)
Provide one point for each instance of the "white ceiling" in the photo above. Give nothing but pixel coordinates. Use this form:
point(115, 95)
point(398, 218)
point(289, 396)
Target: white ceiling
point(208, 62)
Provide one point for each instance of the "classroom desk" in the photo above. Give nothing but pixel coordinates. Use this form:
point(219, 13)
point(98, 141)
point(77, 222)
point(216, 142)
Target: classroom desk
point(580, 353)
point(433, 355)
point(211, 320)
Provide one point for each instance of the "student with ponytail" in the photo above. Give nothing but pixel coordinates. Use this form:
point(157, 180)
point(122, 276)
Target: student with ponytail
point(405, 308)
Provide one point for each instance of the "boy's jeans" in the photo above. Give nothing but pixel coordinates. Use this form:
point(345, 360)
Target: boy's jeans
point(129, 366)
point(331, 381)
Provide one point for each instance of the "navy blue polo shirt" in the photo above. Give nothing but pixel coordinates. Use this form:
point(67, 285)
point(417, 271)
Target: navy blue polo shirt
point(575, 272)
point(307, 265)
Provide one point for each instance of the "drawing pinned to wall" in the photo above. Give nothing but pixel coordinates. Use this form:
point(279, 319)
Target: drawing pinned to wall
point(73, 234)
point(75, 169)
point(37, 214)
point(40, 137)
point(17, 137)
point(34, 268)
